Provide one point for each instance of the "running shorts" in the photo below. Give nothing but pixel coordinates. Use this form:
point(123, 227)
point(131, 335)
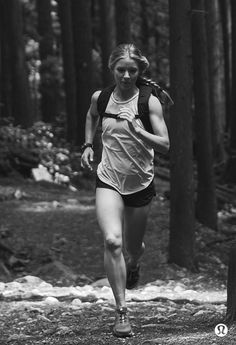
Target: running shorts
point(137, 199)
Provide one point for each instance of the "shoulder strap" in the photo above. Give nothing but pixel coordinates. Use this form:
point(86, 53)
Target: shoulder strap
point(143, 109)
point(103, 99)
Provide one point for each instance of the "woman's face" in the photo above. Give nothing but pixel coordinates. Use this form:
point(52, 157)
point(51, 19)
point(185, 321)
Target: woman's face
point(126, 72)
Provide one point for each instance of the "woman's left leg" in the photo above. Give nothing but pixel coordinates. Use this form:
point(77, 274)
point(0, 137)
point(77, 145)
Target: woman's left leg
point(135, 221)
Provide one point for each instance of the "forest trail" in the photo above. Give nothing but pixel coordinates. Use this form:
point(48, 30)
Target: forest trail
point(162, 312)
point(57, 294)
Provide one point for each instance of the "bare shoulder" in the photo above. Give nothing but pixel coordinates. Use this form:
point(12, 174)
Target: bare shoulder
point(95, 96)
point(155, 106)
point(93, 106)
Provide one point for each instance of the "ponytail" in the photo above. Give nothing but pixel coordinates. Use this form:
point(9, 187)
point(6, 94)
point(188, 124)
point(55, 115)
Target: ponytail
point(157, 90)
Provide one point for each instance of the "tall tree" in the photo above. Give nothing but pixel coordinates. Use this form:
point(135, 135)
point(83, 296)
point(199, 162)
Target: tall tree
point(49, 99)
point(206, 195)
point(181, 156)
point(233, 119)
point(21, 105)
point(5, 80)
point(82, 31)
point(45, 31)
point(107, 15)
point(144, 24)
point(1, 56)
point(224, 7)
point(123, 28)
point(231, 286)
point(230, 174)
point(64, 12)
point(216, 76)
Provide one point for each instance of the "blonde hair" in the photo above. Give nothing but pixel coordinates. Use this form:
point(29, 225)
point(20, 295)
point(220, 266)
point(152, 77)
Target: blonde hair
point(128, 50)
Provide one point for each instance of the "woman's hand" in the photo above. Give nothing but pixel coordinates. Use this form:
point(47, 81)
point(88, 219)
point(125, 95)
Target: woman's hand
point(127, 114)
point(86, 158)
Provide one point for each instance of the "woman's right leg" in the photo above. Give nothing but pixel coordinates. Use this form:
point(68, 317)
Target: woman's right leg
point(110, 210)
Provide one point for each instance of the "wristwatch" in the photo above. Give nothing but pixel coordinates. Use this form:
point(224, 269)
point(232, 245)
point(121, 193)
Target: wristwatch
point(85, 145)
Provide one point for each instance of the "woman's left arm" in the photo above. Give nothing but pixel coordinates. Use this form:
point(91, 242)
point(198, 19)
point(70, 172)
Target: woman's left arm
point(160, 139)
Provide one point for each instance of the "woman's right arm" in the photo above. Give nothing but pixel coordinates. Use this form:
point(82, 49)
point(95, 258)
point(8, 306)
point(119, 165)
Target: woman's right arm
point(92, 120)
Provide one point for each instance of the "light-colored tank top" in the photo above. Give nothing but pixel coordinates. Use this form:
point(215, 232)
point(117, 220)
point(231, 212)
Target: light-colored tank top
point(127, 161)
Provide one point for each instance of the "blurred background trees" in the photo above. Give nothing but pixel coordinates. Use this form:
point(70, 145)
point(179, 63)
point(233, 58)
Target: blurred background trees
point(54, 55)
point(181, 136)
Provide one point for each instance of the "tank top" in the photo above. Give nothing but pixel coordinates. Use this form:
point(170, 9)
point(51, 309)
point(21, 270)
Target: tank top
point(127, 161)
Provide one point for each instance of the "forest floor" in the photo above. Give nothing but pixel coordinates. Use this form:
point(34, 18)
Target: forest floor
point(65, 298)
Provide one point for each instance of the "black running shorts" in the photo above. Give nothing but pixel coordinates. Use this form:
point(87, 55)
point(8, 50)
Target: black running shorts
point(138, 199)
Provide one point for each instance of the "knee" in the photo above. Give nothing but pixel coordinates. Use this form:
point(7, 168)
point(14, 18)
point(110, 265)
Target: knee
point(113, 244)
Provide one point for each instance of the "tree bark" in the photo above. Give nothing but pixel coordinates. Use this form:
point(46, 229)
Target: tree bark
point(123, 30)
point(231, 287)
point(224, 6)
point(181, 242)
point(107, 16)
point(230, 174)
point(64, 12)
point(82, 31)
point(206, 207)
point(21, 106)
point(5, 80)
point(48, 89)
point(45, 28)
point(145, 25)
point(1, 57)
point(216, 77)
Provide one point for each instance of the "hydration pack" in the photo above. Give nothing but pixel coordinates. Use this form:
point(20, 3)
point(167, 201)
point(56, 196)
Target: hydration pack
point(145, 90)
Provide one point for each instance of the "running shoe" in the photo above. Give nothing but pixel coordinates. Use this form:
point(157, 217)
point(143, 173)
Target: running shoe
point(122, 326)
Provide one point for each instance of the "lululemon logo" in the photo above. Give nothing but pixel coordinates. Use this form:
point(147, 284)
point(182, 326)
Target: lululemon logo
point(221, 330)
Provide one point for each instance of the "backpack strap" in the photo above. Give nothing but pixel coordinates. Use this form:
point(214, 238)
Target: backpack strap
point(143, 109)
point(103, 99)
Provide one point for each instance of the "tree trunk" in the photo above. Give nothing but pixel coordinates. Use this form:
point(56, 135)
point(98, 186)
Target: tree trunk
point(6, 70)
point(181, 156)
point(107, 16)
point(123, 31)
point(144, 25)
point(231, 287)
point(5, 80)
point(19, 84)
point(230, 175)
point(224, 6)
point(49, 99)
point(206, 194)
point(45, 28)
point(82, 31)
point(216, 73)
point(64, 12)
point(1, 57)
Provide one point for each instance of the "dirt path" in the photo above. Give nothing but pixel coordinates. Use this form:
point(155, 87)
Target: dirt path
point(154, 322)
point(54, 231)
